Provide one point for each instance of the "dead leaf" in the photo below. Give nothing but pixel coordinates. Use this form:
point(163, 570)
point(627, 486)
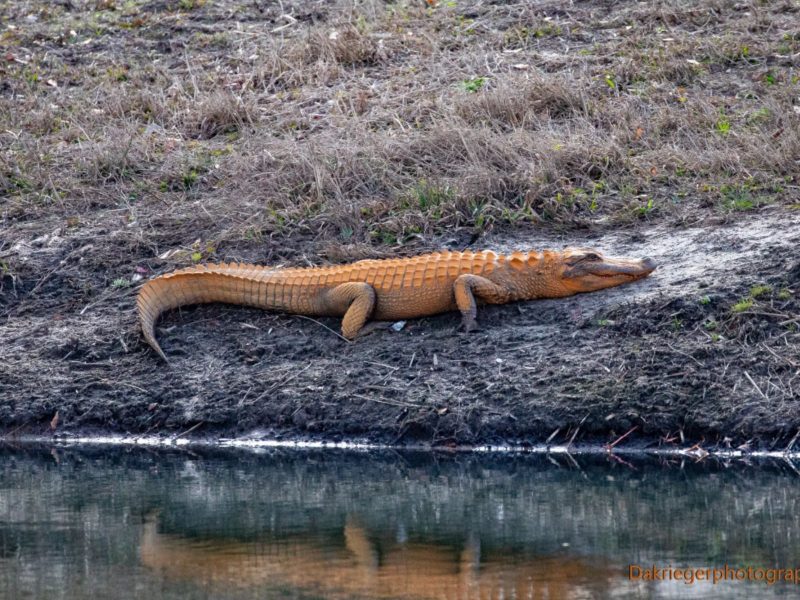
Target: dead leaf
point(54, 421)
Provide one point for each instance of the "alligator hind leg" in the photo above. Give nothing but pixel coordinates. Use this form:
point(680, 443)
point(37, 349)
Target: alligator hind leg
point(467, 288)
point(356, 300)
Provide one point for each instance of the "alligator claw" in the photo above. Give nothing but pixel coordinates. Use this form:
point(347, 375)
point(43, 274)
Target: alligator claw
point(469, 326)
point(374, 326)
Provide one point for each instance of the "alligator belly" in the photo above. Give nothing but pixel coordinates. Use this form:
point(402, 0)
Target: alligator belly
point(410, 303)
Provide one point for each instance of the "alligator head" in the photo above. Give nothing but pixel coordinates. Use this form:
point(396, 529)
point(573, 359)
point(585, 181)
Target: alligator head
point(587, 270)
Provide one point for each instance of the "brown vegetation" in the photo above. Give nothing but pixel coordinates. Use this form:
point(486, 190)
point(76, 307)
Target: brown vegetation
point(136, 137)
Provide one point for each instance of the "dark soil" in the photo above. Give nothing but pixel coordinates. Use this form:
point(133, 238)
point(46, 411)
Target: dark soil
point(138, 138)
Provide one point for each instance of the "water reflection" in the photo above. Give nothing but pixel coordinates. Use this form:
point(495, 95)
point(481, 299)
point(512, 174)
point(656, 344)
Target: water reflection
point(357, 565)
point(311, 524)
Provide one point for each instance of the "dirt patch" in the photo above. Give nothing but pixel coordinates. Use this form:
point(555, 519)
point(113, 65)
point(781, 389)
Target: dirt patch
point(140, 137)
point(675, 356)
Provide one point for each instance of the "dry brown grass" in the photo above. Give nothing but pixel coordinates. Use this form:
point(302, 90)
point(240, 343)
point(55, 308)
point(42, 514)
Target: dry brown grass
point(529, 102)
point(393, 124)
point(217, 114)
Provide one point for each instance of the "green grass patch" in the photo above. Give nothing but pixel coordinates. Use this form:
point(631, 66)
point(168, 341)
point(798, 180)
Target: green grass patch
point(645, 208)
point(759, 116)
point(723, 126)
point(757, 291)
point(474, 84)
point(741, 197)
point(743, 305)
point(428, 196)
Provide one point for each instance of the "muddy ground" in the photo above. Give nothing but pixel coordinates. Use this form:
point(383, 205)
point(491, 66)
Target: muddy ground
point(138, 137)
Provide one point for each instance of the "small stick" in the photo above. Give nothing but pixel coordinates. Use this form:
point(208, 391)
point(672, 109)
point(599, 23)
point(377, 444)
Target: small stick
point(190, 430)
point(687, 355)
point(767, 314)
point(381, 401)
point(776, 355)
point(621, 461)
point(609, 447)
point(340, 336)
point(572, 439)
point(791, 443)
point(698, 451)
point(130, 385)
point(283, 382)
point(16, 429)
point(755, 385)
point(599, 364)
point(372, 362)
point(577, 429)
point(791, 465)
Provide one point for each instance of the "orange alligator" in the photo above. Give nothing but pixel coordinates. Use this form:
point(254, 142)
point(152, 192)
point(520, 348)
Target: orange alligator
point(390, 289)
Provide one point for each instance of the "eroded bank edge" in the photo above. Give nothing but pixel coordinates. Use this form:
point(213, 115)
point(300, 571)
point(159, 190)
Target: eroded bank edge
point(694, 452)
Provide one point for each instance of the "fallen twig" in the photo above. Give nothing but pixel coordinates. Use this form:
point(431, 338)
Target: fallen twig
point(13, 431)
point(190, 430)
point(791, 443)
point(283, 382)
point(577, 429)
point(393, 403)
point(609, 447)
point(339, 335)
point(755, 385)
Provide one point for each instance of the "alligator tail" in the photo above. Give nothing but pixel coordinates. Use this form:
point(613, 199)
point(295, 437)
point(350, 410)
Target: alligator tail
point(150, 303)
point(194, 285)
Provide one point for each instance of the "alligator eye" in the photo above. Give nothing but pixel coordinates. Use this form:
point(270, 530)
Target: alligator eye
point(591, 257)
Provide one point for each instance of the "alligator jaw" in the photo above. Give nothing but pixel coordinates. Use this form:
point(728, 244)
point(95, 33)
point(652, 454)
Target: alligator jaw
point(622, 267)
point(591, 275)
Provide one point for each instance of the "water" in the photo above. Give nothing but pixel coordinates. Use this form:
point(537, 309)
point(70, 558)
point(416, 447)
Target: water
point(101, 523)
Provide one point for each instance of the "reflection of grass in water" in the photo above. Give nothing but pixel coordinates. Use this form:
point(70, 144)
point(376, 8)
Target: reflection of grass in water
point(311, 497)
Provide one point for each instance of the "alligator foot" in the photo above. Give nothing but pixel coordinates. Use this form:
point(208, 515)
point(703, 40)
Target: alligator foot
point(469, 326)
point(373, 326)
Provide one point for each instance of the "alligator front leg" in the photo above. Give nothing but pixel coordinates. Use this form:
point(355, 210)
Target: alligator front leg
point(356, 300)
point(467, 288)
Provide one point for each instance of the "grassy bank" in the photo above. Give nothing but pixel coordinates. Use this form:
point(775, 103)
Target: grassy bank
point(136, 137)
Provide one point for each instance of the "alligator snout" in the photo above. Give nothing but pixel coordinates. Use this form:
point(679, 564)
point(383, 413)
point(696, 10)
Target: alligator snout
point(649, 264)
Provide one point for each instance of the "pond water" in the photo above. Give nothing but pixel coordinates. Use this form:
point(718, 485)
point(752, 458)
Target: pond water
point(106, 523)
